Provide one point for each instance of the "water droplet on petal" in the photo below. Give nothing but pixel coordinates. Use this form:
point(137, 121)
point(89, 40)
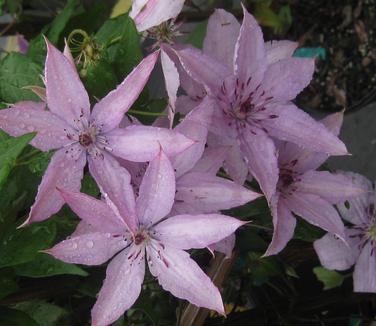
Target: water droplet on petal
point(74, 245)
point(30, 128)
point(90, 244)
point(22, 125)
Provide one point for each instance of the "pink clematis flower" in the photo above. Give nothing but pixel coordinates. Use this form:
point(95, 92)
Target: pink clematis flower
point(360, 237)
point(253, 85)
point(79, 135)
point(308, 193)
point(158, 240)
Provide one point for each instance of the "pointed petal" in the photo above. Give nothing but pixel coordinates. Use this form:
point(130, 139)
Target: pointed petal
point(64, 171)
point(120, 289)
point(115, 184)
point(316, 211)
point(68, 54)
point(250, 58)
point(110, 110)
point(278, 50)
point(88, 249)
point(206, 193)
point(221, 35)
point(25, 117)
point(93, 211)
point(66, 95)
point(196, 231)
point(225, 246)
point(180, 275)
point(261, 157)
point(356, 211)
point(334, 253)
point(365, 270)
point(294, 125)
point(334, 188)
point(211, 160)
point(235, 165)
point(194, 127)
point(83, 228)
point(333, 122)
point(203, 69)
point(185, 104)
point(155, 12)
point(143, 143)
point(157, 191)
point(284, 225)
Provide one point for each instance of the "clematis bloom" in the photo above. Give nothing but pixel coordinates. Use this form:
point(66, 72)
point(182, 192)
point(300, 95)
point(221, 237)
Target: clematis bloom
point(360, 250)
point(79, 135)
point(253, 85)
point(158, 240)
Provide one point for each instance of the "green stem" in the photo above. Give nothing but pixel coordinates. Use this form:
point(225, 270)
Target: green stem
point(150, 114)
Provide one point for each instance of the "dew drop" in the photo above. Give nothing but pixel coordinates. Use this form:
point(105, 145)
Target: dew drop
point(74, 245)
point(22, 125)
point(30, 128)
point(90, 244)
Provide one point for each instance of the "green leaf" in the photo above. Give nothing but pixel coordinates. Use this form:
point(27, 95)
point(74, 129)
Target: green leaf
point(7, 283)
point(330, 279)
point(17, 71)
point(307, 232)
point(45, 265)
point(262, 268)
point(122, 44)
point(22, 245)
point(46, 314)
point(9, 151)
point(197, 36)
point(38, 163)
point(89, 186)
point(13, 317)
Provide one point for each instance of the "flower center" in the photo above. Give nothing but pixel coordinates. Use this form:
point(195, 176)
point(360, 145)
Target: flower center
point(140, 237)
point(85, 139)
point(241, 112)
point(372, 232)
point(286, 181)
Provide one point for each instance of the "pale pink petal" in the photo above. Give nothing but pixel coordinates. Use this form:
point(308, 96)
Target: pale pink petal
point(211, 160)
point(278, 50)
point(109, 111)
point(180, 275)
point(121, 287)
point(365, 270)
point(185, 104)
point(83, 228)
point(261, 158)
point(250, 57)
point(95, 212)
point(284, 225)
point(235, 165)
point(143, 143)
point(88, 249)
point(333, 122)
point(316, 211)
point(334, 253)
point(26, 117)
point(203, 69)
point(294, 125)
point(147, 14)
point(196, 231)
point(285, 79)
point(355, 210)
point(225, 246)
point(194, 126)
point(64, 171)
point(157, 191)
point(335, 188)
point(66, 95)
point(221, 35)
point(114, 182)
point(68, 54)
point(205, 193)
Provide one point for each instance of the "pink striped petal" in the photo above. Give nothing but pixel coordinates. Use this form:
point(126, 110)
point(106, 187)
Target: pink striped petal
point(365, 270)
point(278, 50)
point(211, 160)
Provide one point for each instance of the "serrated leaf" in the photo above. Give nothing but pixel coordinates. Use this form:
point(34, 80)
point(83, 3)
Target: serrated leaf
point(44, 265)
point(13, 317)
point(17, 71)
point(10, 149)
point(330, 279)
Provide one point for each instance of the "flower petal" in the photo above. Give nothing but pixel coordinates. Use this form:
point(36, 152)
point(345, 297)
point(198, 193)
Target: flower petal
point(66, 95)
point(115, 184)
point(365, 270)
point(120, 289)
point(278, 50)
point(261, 157)
point(93, 211)
point(88, 249)
point(211, 160)
point(250, 57)
point(294, 125)
point(316, 211)
point(157, 191)
point(206, 193)
point(110, 110)
point(196, 231)
point(64, 171)
point(180, 275)
point(225, 246)
point(334, 253)
point(143, 143)
point(221, 35)
point(334, 188)
point(24, 117)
